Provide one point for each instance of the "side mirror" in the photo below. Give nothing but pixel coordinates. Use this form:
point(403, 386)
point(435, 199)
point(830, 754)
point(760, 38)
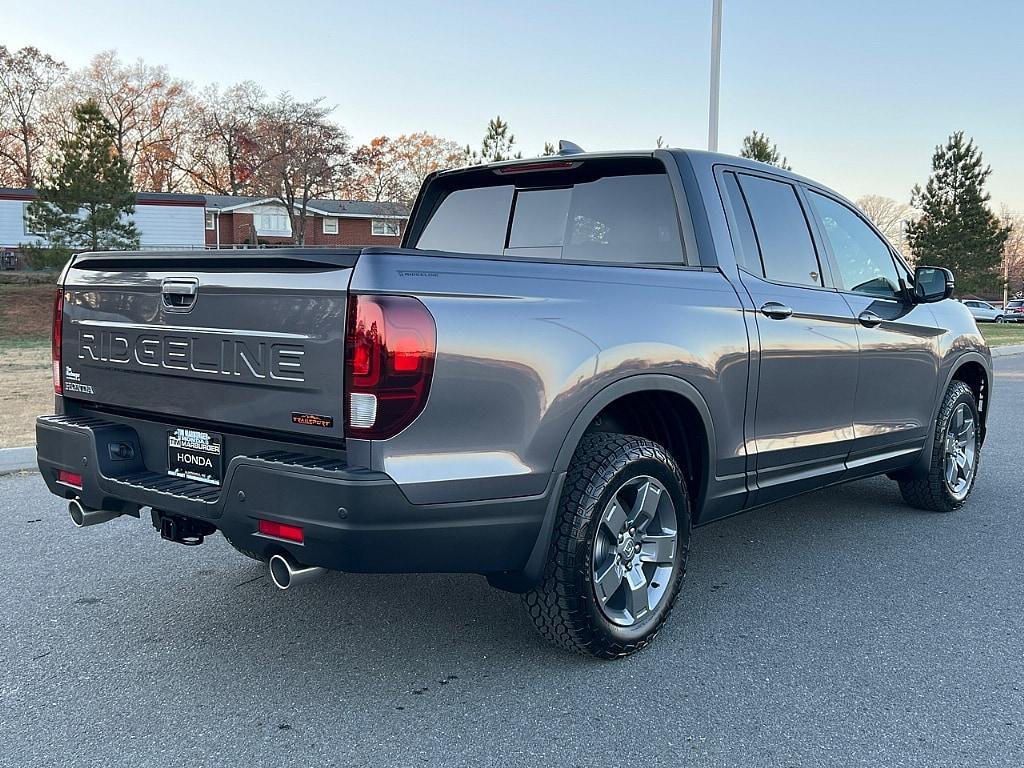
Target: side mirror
point(932, 284)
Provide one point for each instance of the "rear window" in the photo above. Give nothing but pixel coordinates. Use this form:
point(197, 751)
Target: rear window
point(585, 214)
point(1019, 303)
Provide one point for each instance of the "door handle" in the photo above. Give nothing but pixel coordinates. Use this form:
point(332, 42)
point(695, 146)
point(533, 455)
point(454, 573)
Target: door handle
point(776, 311)
point(869, 319)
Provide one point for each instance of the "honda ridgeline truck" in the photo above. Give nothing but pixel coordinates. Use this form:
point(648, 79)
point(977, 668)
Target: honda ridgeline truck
point(569, 363)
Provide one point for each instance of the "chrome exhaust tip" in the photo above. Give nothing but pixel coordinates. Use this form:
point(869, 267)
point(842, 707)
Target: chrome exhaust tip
point(285, 572)
point(82, 515)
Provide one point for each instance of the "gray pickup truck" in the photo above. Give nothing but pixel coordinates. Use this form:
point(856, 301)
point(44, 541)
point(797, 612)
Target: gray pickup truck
point(569, 363)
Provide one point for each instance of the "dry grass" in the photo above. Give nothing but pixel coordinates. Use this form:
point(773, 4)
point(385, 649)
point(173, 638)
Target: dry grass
point(26, 391)
point(26, 312)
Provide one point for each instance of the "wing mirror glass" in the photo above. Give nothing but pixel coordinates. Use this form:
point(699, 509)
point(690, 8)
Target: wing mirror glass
point(932, 284)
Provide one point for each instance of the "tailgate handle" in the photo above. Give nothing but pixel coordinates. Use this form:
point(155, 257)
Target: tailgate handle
point(179, 295)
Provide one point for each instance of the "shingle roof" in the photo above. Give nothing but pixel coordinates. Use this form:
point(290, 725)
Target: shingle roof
point(140, 197)
point(336, 207)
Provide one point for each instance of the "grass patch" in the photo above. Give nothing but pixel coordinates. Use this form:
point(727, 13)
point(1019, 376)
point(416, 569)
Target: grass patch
point(25, 313)
point(1002, 334)
point(6, 344)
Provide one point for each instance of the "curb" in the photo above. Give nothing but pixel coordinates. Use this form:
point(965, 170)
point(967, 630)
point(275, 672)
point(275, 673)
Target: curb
point(17, 459)
point(1009, 349)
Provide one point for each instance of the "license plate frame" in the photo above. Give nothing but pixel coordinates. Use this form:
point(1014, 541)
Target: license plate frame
point(195, 454)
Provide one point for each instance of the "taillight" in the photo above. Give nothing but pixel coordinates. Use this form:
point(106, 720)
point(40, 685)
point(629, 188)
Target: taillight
point(58, 321)
point(389, 361)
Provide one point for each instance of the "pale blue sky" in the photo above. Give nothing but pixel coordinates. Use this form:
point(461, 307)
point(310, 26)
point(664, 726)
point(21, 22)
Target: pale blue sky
point(856, 94)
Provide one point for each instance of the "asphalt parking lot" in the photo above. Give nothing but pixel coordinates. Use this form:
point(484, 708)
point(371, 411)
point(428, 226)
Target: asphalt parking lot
point(842, 628)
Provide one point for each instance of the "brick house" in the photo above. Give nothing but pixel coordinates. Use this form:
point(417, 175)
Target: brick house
point(239, 221)
point(175, 221)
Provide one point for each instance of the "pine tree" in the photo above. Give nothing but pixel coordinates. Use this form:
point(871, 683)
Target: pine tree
point(956, 229)
point(757, 146)
point(85, 199)
point(498, 144)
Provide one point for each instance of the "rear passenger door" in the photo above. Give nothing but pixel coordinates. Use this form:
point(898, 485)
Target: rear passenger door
point(898, 339)
point(808, 362)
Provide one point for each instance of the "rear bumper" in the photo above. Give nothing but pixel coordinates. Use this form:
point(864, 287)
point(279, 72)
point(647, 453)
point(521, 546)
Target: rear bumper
point(353, 519)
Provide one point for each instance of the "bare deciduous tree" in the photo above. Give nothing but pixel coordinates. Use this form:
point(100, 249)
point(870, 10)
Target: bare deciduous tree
point(144, 104)
point(302, 155)
point(392, 170)
point(223, 153)
point(26, 76)
point(890, 217)
point(1013, 253)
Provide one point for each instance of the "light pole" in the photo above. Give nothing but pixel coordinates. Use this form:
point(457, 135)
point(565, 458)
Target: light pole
point(716, 73)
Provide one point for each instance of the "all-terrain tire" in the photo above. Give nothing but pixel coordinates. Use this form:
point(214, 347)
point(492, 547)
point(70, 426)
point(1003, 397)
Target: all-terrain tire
point(564, 606)
point(929, 491)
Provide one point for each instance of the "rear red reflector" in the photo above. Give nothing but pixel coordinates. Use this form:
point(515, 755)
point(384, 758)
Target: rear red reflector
point(69, 478)
point(281, 531)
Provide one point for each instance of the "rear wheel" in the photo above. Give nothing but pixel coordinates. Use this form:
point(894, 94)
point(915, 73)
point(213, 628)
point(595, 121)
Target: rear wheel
point(955, 454)
point(619, 550)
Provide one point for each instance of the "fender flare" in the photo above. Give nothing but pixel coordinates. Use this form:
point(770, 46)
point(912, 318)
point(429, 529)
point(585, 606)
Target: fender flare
point(533, 571)
point(920, 467)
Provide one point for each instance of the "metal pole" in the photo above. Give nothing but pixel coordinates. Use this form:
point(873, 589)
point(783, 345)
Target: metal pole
point(716, 73)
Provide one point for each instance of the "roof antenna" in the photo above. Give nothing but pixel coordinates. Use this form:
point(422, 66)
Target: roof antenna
point(568, 148)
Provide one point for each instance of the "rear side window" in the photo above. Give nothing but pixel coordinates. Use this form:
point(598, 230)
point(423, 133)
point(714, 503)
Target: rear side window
point(627, 219)
point(747, 255)
point(783, 236)
point(470, 221)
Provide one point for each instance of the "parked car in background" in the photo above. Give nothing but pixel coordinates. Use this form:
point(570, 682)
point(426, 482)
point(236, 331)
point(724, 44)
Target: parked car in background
point(984, 312)
point(1014, 312)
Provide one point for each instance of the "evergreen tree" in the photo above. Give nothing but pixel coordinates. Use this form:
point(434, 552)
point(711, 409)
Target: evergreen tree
point(757, 146)
point(956, 229)
point(498, 144)
point(84, 200)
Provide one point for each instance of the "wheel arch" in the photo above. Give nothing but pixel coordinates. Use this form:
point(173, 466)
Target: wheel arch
point(675, 407)
point(616, 392)
point(971, 369)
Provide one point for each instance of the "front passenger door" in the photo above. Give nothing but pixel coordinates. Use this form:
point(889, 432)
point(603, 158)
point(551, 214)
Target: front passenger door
point(898, 378)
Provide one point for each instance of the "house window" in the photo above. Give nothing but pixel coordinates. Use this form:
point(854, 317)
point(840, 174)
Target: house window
point(27, 221)
point(385, 228)
point(273, 224)
point(330, 226)
point(210, 220)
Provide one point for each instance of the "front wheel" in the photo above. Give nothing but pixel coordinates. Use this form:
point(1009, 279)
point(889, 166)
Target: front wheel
point(619, 548)
point(1000, 319)
point(955, 454)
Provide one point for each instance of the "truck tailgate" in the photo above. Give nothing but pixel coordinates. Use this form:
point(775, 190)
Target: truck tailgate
point(243, 341)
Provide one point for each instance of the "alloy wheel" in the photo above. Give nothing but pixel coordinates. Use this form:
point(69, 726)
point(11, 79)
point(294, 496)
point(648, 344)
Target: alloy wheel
point(635, 550)
point(961, 450)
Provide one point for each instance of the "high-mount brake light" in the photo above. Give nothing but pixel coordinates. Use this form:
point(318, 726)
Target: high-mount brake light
point(55, 340)
point(549, 165)
point(389, 351)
